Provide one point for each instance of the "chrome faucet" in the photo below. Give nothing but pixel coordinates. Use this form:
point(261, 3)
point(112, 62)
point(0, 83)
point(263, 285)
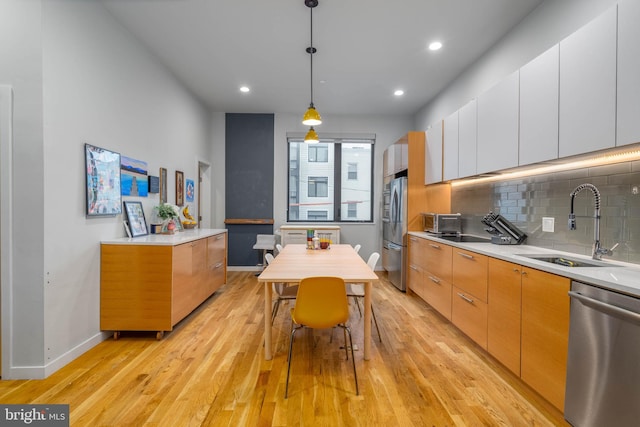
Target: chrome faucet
point(598, 250)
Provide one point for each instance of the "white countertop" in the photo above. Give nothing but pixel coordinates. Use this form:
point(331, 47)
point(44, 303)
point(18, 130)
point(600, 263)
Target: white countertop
point(178, 238)
point(614, 275)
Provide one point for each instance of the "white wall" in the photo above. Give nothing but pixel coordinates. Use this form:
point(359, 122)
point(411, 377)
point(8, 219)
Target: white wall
point(551, 22)
point(388, 129)
point(98, 86)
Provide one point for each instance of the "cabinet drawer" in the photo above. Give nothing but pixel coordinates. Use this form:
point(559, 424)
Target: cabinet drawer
point(415, 280)
point(417, 251)
point(470, 273)
point(438, 294)
point(469, 314)
point(438, 259)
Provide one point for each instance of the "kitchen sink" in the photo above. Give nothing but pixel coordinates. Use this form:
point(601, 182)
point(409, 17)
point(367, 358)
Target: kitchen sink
point(565, 261)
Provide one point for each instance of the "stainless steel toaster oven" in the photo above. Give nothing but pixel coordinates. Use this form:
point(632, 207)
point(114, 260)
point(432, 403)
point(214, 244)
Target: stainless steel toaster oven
point(442, 223)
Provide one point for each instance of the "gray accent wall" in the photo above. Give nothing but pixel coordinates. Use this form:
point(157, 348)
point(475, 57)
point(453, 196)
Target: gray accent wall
point(525, 201)
point(249, 182)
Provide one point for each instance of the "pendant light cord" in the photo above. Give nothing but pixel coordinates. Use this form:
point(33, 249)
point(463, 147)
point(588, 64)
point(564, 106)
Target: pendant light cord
point(311, 54)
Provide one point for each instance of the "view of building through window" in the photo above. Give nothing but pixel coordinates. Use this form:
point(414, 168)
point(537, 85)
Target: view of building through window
point(331, 180)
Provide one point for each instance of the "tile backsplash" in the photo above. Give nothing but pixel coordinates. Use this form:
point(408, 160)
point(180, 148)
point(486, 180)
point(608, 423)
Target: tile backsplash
point(525, 201)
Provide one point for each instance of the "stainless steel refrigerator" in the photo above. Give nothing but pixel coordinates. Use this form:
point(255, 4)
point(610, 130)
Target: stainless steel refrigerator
point(394, 231)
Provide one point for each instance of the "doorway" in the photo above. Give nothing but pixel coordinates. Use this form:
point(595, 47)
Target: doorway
point(204, 195)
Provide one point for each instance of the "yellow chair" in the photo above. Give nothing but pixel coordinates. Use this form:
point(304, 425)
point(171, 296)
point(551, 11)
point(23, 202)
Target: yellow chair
point(321, 304)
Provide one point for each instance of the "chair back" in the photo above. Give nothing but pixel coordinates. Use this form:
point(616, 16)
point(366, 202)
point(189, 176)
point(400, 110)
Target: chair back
point(279, 247)
point(321, 302)
point(373, 260)
point(357, 248)
point(269, 258)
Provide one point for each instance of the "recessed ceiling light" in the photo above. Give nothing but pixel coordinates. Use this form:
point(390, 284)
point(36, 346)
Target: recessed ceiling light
point(398, 92)
point(435, 45)
point(244, 89)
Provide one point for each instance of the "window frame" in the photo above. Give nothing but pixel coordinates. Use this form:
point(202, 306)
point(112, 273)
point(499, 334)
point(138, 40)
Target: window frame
point(331, 142)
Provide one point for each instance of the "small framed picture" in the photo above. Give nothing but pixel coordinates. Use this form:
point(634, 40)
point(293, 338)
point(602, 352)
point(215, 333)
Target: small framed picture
point(135, 218)
point(179, 188)
point(163, 185)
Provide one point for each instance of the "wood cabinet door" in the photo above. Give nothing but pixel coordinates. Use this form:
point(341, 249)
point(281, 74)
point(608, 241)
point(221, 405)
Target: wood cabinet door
point(545, 333)
point(438, 260)
point(216, 262)
point(503, 317)
point(437, 293)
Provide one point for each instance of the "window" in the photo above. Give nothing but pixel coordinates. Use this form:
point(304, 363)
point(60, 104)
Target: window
point(317, 215)
point(319, 153)
point(318, 186)
point(352, 210)
point(331, 181)
point(352, 171)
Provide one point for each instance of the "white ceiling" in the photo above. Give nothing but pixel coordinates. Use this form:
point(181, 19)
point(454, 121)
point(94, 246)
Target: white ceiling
point(366, 49)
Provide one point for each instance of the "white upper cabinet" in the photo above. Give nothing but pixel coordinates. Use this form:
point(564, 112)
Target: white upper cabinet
point(588, 87)
point(498, 126)
point(450, 148)
point(433, 154)
point(628, 125)
point(467, 139)
point(539, 81)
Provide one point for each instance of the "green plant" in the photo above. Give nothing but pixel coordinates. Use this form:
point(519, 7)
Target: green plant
point(167, 211)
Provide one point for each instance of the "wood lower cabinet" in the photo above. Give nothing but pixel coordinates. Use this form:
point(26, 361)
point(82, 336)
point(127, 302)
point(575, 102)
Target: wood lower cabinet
point(430, 273)
point(152, 286)
point(504, 314)
point(545, 333)
point(469, 307)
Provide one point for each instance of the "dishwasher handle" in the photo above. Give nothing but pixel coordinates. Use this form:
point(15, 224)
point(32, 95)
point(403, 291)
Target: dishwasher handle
point(607, 308)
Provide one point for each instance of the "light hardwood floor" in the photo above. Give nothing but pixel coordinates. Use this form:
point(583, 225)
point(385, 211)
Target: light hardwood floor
point(210, 371)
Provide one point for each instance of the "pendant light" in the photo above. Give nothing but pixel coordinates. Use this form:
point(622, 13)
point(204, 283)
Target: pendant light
point(311, 117)
point(311, 137)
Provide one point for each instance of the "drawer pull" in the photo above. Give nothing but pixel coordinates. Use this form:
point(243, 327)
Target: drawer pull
point(462, 254)
point(413, 267)
point(515, 270)
point(218, 265)
point(296, 233)
point(220, 236)
point(413, 239)
point(433, 245)
point(466, 298)
point(434, 280)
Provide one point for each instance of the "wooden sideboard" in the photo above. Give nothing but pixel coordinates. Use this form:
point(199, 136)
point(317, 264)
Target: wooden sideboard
point(152, 282)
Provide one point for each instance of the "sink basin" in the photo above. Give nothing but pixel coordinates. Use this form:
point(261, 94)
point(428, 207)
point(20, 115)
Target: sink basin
point(565, 261)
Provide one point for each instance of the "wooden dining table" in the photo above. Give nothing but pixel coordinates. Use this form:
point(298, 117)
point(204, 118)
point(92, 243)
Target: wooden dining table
point(296, 262)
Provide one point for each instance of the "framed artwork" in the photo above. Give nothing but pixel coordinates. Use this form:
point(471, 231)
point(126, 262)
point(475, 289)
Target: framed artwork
point(163, 185)
point(133, 177)
point(102, 169)
point(154, 184)
point(135, 218)
point(179, 188)
point(190, 190)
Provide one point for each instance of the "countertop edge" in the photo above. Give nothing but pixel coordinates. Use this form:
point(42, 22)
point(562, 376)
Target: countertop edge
point(620, 276)
point(178, 238)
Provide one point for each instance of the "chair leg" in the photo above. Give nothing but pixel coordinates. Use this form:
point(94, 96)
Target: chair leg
point(357, 305)
point(274, 312)
point(375, 321)
point(346, 350)
point(293, 333)
point(353, 358)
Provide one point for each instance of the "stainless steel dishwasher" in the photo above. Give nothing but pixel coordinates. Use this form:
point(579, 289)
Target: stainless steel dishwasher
point(603, 365)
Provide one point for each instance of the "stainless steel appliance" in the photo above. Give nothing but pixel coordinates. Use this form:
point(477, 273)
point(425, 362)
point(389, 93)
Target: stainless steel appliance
point(445, 224)
point(394, 234)
point(603, 364)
